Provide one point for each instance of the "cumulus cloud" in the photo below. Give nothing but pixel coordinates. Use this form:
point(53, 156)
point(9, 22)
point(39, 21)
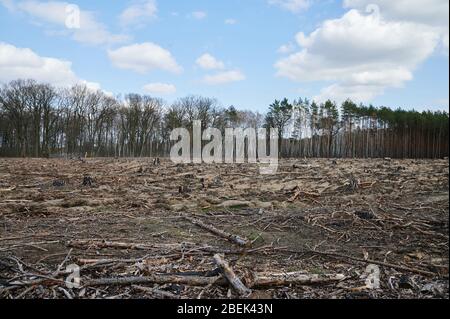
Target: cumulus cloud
point(160, 88)
point(224, 77)
point(143, 58)
point(430, 12)
point(57, 14)
point(433, 13)
point(24, 63)
point(139, 13)
point(208, 62)
point(363, 54)
point(294, 6)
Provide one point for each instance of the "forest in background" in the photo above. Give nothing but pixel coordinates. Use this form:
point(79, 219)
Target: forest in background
point(40, 120)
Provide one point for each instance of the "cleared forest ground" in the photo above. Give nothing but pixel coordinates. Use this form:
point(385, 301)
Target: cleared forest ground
point(135, 228)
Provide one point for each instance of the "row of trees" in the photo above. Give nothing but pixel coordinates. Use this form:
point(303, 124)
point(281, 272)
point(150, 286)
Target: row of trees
point(350, 130)
point(40, 120)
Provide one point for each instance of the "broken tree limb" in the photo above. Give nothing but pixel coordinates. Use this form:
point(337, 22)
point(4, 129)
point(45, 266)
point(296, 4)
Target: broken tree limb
point(156, 292)
point(233, 238)
point(98, 243)
point(369, 261)
point(259, 280)
point(172, 249)
point(32, 244)
point(294, 278)
point(229, 274)
point(80, 243)
point(186, 248)
point(155, 279)
point(385, 264)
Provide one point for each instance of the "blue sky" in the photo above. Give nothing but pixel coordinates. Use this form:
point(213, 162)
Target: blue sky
point(244, 53)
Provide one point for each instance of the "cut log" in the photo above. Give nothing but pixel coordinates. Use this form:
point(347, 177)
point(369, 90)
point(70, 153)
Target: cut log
point(229, 274)
point(233, 238)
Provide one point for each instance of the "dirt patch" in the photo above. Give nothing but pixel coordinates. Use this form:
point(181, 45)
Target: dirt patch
point(314, 217)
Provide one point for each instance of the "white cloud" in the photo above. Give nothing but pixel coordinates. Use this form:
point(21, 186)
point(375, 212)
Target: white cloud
point(230, 21)
point(199, 15)
point(160, 88)
point(143, 58)
point(208, 62)
point(54, 14)
point(286, 48)
point(433, 13)
point(430, 12)
point(139, 13)
point(24, 63)
point(295, 6)
point(363, 54)
point(224, 77)
point(92, 85)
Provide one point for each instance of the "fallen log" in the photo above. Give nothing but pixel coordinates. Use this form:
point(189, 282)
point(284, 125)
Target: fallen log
point(97, 243)
point(259, 280)
point(294, 278)
point(233, 238)
point(229, 274)
point(80, 243)
point(182, 248)
point(155, 279)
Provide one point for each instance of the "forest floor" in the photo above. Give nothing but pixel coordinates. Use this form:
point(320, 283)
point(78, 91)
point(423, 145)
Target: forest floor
point(317, 229)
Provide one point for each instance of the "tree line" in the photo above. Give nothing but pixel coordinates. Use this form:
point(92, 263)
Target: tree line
point(40, 120)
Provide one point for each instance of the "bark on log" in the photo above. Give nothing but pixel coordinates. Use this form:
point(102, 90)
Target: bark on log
point(155, 279)
point(293, 278)
point(233, 238)
point(95, 243)
point(108, 244)
point(229, 274)
point(259, 281)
